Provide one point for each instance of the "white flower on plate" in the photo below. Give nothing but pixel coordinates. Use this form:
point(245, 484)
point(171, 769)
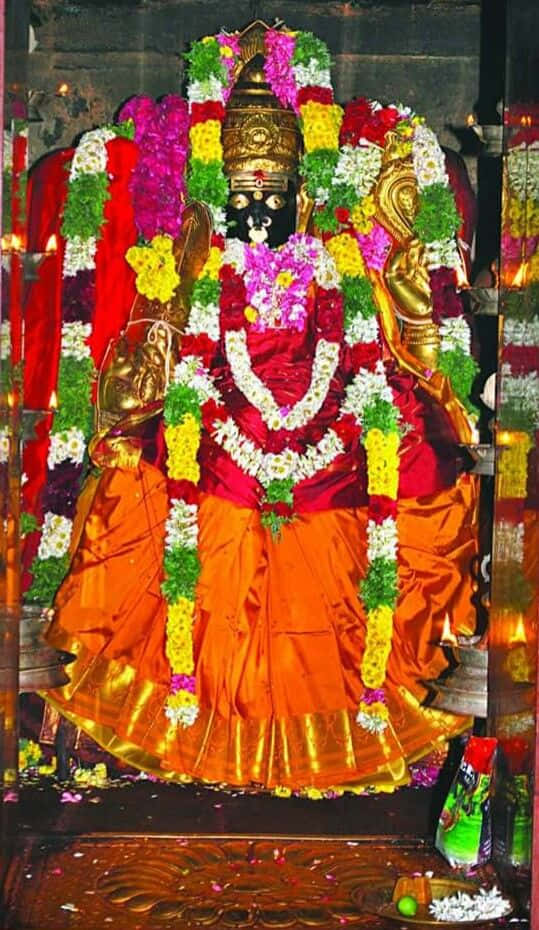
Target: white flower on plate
point(483, 906)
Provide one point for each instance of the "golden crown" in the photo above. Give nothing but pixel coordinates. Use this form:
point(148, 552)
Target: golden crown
point(261, 139)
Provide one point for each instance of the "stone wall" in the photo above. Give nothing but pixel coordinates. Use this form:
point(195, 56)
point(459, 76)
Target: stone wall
point(425, 54)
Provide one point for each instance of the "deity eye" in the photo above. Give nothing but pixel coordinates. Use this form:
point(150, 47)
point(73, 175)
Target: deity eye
point(239, 201)
point(275, 201)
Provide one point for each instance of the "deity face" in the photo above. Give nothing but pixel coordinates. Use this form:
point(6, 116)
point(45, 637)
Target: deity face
point(262, 215)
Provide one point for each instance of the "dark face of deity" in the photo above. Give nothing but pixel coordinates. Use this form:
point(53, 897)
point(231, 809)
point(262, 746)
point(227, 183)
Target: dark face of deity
point(262, 215)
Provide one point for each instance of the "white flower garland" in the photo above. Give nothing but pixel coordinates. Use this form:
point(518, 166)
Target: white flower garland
point(192, 372)
point(182, 525)
point(429, 167)
point(75, 340)
point(523, 171)
point(364, 388)
point(259, 395)
point(55, 536)
point(455, 334)
point(359, 167)
point(510, 541)
point(361, 329)
point(520, 388)
point(70, 445)
point(267, 466)
point(4, 444)
point(90, 158)
point(5, 340)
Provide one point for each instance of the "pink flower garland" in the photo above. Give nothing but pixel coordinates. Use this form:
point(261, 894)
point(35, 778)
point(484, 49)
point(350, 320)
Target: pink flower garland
point(278, 67)
point(158, 182)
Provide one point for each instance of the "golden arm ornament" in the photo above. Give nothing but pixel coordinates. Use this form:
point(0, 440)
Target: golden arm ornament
point(402, 291)
point(135, 372)
point(406, 274)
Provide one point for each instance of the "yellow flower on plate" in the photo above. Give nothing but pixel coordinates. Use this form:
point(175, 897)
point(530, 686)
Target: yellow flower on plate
point(281, 791)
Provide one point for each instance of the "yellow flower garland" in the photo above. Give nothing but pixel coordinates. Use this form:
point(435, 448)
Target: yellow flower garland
point(321, 125)
point(155, 266)
point(345, 251)
point(382, 463)
point(513, 465)
point(205, 138)
point(182, 443)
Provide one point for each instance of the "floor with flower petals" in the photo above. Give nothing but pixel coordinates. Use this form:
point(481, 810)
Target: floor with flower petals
point(150, 856)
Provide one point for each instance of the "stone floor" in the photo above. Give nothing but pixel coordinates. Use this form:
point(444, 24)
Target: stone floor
point(150, 856)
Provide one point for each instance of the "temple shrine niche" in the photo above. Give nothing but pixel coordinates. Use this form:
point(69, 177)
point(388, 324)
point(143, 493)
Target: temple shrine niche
point(268, 449)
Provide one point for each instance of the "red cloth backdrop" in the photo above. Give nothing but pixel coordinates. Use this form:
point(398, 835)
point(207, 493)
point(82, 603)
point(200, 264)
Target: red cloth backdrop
point(114, 289)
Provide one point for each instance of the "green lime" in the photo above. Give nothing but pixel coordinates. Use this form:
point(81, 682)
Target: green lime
point(407, 906)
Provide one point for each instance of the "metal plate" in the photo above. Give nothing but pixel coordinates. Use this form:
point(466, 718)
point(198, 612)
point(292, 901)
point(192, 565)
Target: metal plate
point(378, 901)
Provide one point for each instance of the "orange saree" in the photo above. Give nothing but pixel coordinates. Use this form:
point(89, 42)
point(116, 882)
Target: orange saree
point(278, 637)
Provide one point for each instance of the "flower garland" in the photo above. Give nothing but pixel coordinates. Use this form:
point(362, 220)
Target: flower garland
point(259, 396)
point(73, 419)
point(158, 190)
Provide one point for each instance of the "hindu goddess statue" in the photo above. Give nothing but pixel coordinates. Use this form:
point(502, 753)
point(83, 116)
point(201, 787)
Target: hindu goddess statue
point(262, 558)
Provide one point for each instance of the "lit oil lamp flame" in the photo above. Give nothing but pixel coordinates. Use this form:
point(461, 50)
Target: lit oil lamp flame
point(52, 243)
point(53, 401)
point(470, 119)
point(448, 637)
point(62, 89)
point(518, 636)
point(16, 243)
point(521, 275)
